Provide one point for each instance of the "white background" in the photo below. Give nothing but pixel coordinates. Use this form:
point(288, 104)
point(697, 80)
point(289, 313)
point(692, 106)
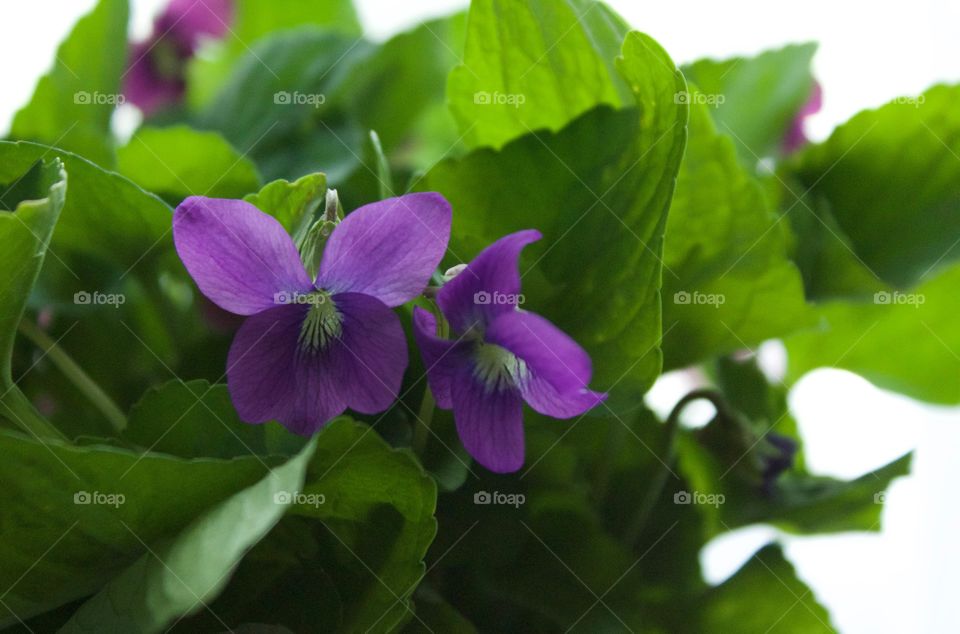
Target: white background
point(902, 579)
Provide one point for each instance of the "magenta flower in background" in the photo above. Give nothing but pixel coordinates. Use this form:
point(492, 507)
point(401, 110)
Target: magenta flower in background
point(310, 349)
point(502, 356)
point(796, 136)
point(155, 74)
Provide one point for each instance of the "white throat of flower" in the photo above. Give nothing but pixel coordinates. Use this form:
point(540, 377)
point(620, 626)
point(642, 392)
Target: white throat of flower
point(498, 368)
point(322, 323)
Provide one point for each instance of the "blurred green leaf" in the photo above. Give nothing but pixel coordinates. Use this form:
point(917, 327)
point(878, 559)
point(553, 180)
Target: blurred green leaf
point(755, 99)
point(66, 532)
point(604, 184)
point(180, 577)
point(254, 20)
point(536, 64)
point(177, 162)
point(283, 113)
point(72, 104)
point(728, 281)
point(765, 595)
point(196, 420)
point(30, 205)
point(105, 216)
point(908, 342)
point(376, 523)
point(890, 178)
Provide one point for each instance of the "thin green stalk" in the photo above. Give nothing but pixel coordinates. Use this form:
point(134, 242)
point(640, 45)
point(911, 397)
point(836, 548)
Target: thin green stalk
point(642, 516)
point(80, 379)
point(421, 432)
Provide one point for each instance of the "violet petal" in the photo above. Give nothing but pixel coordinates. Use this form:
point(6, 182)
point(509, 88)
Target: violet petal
point(442, 357)
point(483, 290)
point(239, 256)
point(387, 249)
point(489, 422)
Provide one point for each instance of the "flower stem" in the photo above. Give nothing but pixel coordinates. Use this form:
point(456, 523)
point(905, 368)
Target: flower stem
point(80, 379)
point(421, 432)
point(672, 425)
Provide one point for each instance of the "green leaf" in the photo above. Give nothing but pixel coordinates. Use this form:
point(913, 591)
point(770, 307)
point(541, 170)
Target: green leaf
point(535, 64)
point(728, 282)
point(716, 465)
point(254, 20)
point(765, 595)
point(377, 522)
point(30, 205)
point(184, 575)
point(177, 162)
point(72, 104)
point(282, 112)
point(195, 419)
point(292, 204)
point(905, 342)
point(754, 99)
point(66, 532)
point(105, 216)
point(392, 91)
point(890, 179)
point(604, 184)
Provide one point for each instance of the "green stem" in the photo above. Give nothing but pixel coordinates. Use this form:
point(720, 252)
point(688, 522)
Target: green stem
point(80, 379)
point(645, 510)
point(421, 432)
point(616, 435)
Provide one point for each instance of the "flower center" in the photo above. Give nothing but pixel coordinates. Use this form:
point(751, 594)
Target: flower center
point(497, 368)
point(322, 323)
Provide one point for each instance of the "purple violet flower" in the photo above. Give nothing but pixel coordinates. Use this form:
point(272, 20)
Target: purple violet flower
point(155, 74)
point(310, 349)
point(796, 137)
point(503, 357)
